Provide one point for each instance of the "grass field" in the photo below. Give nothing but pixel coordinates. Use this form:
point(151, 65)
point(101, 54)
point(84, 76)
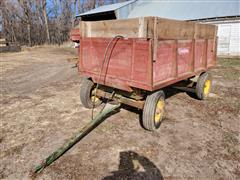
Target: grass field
point(40, 110)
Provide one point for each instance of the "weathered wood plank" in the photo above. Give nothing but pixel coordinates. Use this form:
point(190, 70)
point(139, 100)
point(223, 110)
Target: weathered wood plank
point(146, 27)
point(205, 31)
point(172, 29)
point(10, 49)
point(3, 42)
point(130, 28)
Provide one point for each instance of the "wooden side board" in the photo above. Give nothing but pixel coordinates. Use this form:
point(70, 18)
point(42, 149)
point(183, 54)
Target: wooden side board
point(3, 43)
point(12, 48)
point(148, 27)
point(8, 47)
point(131, 28)
point(176, 30)
point(205, 31)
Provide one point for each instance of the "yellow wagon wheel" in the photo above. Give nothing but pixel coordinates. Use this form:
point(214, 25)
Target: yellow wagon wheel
point(153, 110)
point(87, 95)
point(204, 85)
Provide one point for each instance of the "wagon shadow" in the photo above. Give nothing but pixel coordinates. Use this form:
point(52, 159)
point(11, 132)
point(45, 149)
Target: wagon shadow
point(133, 166)
point(169, 92)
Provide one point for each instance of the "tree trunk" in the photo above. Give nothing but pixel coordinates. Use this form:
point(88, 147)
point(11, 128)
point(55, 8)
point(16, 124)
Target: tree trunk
point(13, 33)
point(46, 20)
point(75, 12)
point(80, 6)
point(29, 34)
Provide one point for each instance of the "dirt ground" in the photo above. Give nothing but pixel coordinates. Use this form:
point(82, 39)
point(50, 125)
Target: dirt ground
point(40, 110)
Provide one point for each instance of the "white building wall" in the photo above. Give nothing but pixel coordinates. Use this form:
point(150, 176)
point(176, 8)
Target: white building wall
point(228, 38)
point(234, 48)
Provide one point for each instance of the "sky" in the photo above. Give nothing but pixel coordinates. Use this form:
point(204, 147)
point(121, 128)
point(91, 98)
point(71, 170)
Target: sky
point(50, 5)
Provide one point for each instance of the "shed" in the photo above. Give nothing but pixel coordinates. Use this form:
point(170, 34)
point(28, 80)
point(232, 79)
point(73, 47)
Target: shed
point(112, 11)
point(224, 14)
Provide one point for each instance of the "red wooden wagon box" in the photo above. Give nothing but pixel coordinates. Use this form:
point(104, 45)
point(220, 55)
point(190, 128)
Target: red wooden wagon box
point(132, 61)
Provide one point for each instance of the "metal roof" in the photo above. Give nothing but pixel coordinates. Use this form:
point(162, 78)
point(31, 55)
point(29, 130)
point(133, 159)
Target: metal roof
point(185, 9)
point(172, 9)
point(106, 8)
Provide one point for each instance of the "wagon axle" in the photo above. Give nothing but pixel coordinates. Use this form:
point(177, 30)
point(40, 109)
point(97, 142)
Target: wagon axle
point(152, 104)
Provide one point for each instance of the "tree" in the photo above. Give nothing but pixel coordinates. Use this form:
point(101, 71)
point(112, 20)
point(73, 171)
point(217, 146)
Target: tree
point(26, 18)
point(35, 22)
point(44, 10)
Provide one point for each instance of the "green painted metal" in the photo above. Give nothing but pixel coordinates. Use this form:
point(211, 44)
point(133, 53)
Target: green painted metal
point(75, 139)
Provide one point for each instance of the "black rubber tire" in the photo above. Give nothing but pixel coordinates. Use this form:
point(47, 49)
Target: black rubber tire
point(200, 85)
point(87, 87)
point(148, 116)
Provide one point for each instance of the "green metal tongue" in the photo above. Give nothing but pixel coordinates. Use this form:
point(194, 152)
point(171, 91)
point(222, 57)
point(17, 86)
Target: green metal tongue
point(75, 139)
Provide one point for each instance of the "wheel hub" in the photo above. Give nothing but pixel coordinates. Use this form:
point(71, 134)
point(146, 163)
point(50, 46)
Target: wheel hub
point(95, 99)
point(159, 111)
point(207, 87)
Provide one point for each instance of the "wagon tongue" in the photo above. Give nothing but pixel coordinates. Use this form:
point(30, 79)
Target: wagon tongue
point(75, 139)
